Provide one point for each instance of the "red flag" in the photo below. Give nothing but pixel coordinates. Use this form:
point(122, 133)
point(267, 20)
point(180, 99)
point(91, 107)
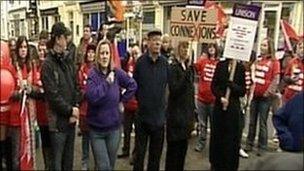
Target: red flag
point(115, 55)
point(221, 17)
point(116, 9)
point(5, 58)
point(289, 34)
point(26, 144)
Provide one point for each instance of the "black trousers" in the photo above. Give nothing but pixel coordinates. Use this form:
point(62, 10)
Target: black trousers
point(176, 153)
point(155, 136)
point(6, 153)
point(46, 145)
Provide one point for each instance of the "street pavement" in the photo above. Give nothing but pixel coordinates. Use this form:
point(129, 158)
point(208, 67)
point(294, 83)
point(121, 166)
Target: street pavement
point(194, 160)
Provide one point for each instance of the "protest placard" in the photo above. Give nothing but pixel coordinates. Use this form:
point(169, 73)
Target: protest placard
point(193, 24)
point(241, 32)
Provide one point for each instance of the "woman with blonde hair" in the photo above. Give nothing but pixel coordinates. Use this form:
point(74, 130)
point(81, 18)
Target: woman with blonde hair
point(180, 107)
point(104, 97)
point(267, 76)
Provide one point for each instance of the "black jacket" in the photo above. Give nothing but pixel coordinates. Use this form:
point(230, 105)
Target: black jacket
point(61, 89)
point(71, 48)
point(225, 125)
point(181, 102)
point(152, 79)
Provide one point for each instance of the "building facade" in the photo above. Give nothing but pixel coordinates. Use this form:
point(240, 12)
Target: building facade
point(21, 20)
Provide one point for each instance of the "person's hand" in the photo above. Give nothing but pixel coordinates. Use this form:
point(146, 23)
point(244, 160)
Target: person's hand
point(295, 78)
point(28, 88)
point(75, 112)
point(111, 77)
point(121, 107)
point(72, 120)
point(266, 94)
point(23, 85)
point(225, 102)
point(184, 66)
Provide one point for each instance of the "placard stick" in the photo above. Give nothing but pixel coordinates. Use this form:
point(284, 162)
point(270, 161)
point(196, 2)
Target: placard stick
point(231, 78)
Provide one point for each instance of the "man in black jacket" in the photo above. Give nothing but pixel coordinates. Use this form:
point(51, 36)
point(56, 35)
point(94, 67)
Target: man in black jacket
point(62, 96)
point(151, 75)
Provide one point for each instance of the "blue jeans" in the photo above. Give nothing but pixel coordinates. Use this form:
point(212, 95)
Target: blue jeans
point(105, 146)
point(63, 149)
point(85, 150)
point(203, 111)
point(259, 107)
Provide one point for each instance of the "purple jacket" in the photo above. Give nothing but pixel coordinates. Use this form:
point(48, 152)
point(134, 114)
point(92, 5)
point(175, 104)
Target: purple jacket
point(103, 99)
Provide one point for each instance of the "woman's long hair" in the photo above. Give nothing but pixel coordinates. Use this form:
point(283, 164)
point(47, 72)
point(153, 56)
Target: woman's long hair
point(216, 50)
point(271, 51)
point(28, 63)
point(97, 56)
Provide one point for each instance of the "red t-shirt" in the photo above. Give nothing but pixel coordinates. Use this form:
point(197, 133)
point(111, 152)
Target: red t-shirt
point(16, 104)
point(265, 71)
point(82, 80)
point(5, 106)
point(295, 67)
point(41, 105)
point(205, 68)
point(131, 105)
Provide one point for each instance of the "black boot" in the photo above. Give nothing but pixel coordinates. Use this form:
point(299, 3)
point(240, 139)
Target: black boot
point(47, 158)
point(2, 147)
point(8, 153)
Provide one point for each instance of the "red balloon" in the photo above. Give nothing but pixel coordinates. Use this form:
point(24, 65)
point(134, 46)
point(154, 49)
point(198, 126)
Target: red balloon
point(4, 54)
point(7, 85)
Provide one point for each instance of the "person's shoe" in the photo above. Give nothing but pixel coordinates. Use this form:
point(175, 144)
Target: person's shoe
point(275, 140)
point(248, 148)
point(131, 161)
point(261, 152)
point(123, 155)
point(243, 153)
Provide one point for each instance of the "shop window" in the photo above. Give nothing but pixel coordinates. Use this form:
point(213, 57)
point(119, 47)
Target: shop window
point(57, 19)
point(94, 21)
point(86, 19)
point(149, 17)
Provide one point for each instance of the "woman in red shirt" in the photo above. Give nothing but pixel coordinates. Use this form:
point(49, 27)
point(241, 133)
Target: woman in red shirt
point(41, 109)
point(82, 78)
point(294, 74)
point(267, 76)
point(25, 75)
point(205, 68)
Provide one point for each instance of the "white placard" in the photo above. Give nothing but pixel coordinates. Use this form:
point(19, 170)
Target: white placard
point(240, 39)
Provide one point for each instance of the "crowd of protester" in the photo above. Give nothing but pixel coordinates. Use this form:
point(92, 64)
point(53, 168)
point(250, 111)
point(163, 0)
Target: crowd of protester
point(154, 91)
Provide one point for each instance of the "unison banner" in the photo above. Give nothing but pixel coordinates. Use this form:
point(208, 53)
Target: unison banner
point(241, 32)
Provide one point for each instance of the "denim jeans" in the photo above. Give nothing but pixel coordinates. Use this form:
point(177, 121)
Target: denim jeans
point(62, 149)
point(85, 150)
point(203, 111)
point(259, 108)
point(105, 146)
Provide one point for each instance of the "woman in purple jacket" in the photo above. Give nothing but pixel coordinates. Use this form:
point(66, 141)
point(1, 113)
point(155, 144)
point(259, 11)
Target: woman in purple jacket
point(104, 97)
